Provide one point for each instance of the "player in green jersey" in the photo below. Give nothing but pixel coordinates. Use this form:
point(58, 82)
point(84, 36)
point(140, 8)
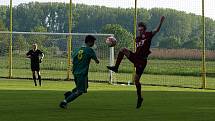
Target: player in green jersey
point(81, 59)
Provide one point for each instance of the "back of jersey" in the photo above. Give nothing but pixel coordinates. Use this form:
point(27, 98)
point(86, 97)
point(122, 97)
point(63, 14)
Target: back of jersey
point(81, 59)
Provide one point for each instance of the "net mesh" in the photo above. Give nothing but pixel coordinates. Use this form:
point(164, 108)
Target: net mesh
point(54, 47)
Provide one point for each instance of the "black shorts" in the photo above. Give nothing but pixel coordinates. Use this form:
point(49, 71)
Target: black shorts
point(35, 67)
point(139, 63)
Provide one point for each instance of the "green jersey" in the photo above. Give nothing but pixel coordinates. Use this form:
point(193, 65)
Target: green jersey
point(81, 59)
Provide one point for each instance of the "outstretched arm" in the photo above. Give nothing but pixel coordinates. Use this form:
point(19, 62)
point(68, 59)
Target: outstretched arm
point(159, 26)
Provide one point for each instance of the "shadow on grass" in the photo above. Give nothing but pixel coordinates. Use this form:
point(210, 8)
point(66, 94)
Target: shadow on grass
point(42, 105)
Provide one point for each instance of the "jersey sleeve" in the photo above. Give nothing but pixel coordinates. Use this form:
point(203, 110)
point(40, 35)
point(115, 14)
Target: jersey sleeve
point(28, 53)
point(93, 55)
point(40, 52)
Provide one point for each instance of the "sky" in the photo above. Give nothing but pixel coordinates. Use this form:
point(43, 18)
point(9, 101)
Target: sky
point(189, 6)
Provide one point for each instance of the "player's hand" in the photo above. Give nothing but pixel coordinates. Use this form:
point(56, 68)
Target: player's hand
point(97, 61)
point(28, 56)
point(162, 18)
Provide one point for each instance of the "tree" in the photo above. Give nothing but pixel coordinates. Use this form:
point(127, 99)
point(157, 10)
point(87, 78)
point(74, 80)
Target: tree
point(4, 39)
point(53, 17)
point(20, 43)
point(194, 43)
point(2, 26)
point(39, 39)
point(170, 42)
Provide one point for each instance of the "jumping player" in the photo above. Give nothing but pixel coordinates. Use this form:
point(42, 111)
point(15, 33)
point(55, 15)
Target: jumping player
point(81, 59)
point(138, 58)
point(36, 57)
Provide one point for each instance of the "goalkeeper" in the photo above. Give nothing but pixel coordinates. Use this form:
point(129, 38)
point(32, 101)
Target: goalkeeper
point(36, 57)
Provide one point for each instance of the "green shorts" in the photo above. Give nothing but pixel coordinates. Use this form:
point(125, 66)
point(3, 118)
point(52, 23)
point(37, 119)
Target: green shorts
point(81, 82)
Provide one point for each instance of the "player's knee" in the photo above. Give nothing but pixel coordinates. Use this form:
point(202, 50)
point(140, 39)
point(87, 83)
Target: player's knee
point(137, 83)
point(123, 50)
point(136, 80)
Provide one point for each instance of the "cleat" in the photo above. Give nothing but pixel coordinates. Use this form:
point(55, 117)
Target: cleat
point(139, 102)
point(113, 68)
point(67, 94)
point(63, 105)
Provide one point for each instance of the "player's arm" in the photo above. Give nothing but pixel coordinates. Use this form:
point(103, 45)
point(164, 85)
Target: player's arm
point(28, 55)
point(97, 60)
point(41, 56)
point(94, 57)
point(159, 26)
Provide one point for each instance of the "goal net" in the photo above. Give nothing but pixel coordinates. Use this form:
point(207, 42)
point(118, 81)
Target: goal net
point(55, 48)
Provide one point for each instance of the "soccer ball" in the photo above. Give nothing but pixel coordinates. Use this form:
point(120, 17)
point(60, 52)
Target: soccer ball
point(111, 41)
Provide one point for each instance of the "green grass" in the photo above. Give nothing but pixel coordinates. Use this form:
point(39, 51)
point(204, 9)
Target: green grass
point(21, 101)
point(184, 73)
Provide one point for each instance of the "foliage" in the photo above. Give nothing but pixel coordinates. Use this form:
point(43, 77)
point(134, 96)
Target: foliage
point(180, 29)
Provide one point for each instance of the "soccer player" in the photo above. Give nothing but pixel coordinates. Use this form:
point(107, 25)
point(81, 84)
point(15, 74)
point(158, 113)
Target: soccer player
point(81, 59)
point(36, 57)
point(139, 57)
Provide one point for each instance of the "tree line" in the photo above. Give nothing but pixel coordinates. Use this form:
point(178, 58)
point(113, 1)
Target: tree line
point(180, 30)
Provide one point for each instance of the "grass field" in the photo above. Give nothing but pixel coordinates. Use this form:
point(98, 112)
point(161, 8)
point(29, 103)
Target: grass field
point(155, 66)
point(185, 73)
point(21, 101)
point(168, 80)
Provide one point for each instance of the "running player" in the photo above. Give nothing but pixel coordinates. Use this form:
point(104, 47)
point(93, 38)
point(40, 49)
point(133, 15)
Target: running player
point(81, 59)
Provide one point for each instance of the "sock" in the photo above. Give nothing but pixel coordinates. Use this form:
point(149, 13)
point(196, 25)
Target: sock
point(39, 78)
point(73, 96)
point(119, 59)
point(34, 78)
point(138, 86)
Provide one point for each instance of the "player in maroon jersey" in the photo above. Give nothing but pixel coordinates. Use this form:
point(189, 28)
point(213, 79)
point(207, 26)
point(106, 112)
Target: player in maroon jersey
point(138, 58)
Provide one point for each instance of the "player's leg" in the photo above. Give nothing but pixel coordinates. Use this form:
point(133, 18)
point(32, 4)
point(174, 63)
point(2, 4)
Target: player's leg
point(73, 96)
point(70, 98)
point(137, 76)
point(81, 82)
point(39, 77)
point(68, 93)
point(81, 87)
point(123, 52)
point(37, 68)
point(138, 89)
point(34, 77)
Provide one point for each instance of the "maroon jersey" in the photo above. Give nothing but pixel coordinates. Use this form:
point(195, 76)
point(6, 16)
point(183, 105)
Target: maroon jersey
point(143, 44)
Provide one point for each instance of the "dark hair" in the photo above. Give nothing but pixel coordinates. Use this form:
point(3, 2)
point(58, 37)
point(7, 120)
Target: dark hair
point(141, 24)
point(89, 38)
